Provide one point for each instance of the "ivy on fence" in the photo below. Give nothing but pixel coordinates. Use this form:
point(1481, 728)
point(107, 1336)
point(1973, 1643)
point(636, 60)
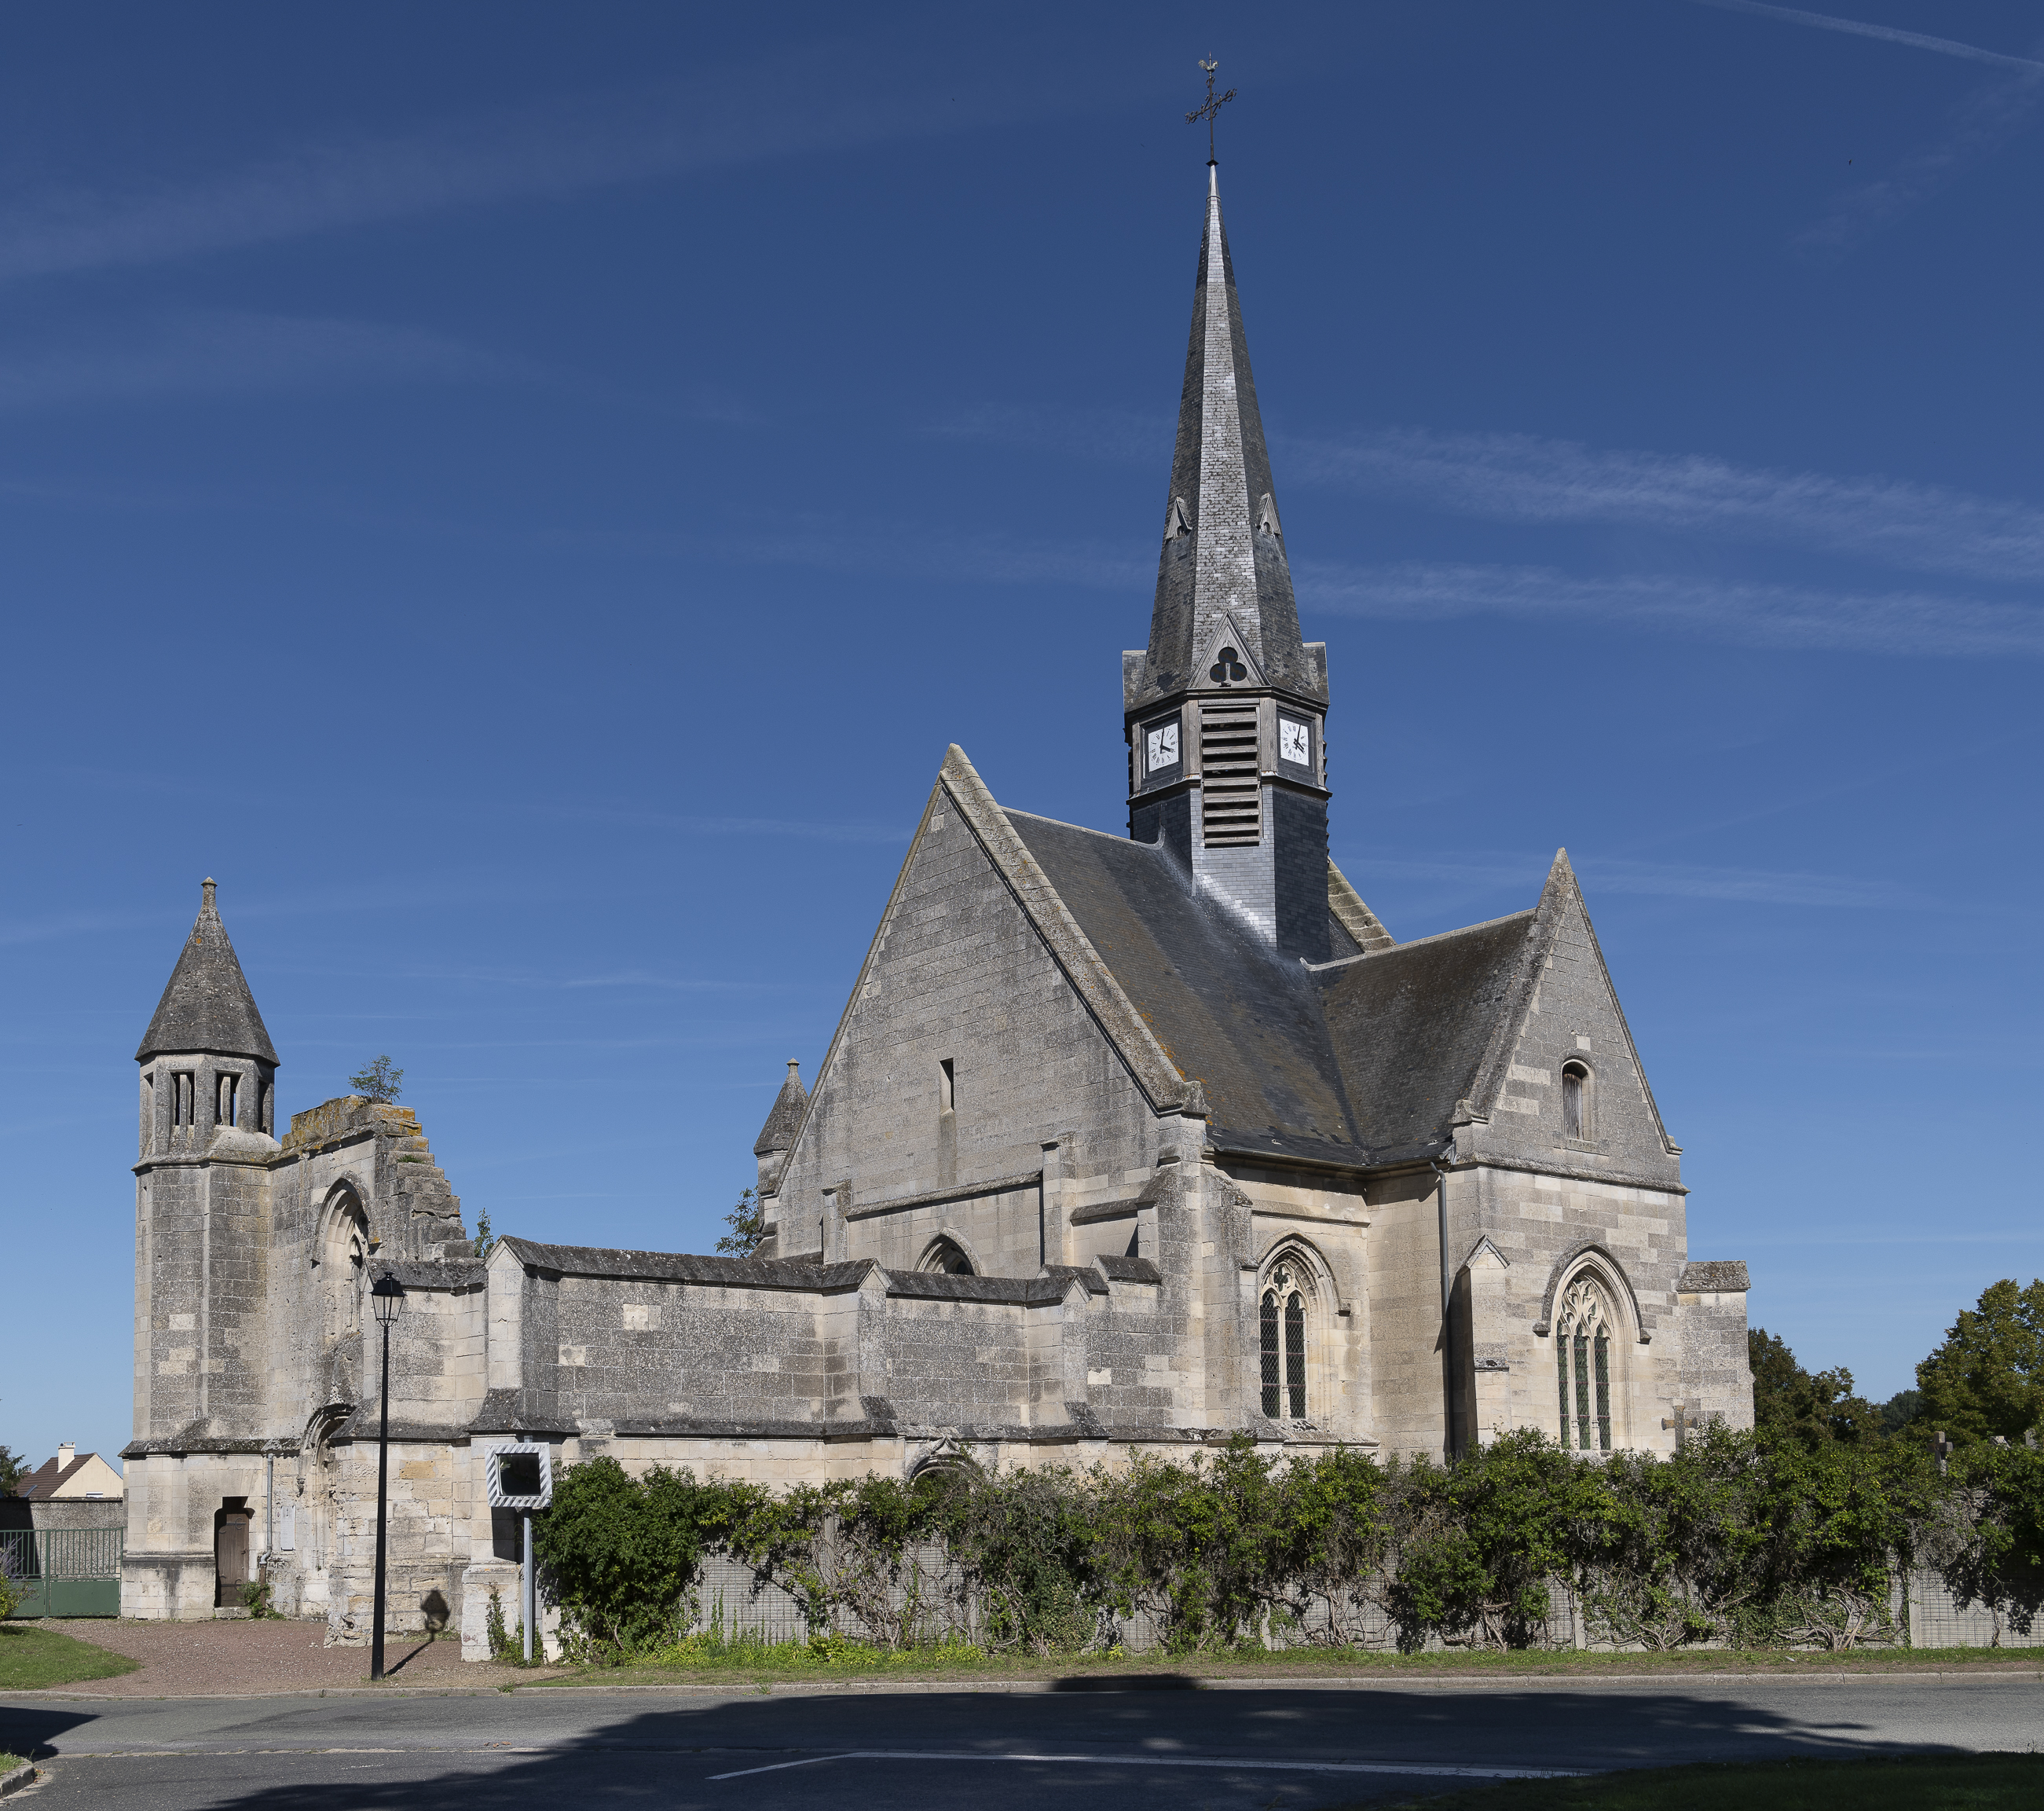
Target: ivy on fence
point(1733, 1539)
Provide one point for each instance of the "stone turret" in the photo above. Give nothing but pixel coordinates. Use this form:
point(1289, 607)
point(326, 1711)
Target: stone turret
point(208, 1065)
point(203, 1223)
point(1224, 710)
point(777, 1137)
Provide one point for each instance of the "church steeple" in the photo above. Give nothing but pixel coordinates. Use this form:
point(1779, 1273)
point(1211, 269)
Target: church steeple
point(1224, 709)
point(1222, 566)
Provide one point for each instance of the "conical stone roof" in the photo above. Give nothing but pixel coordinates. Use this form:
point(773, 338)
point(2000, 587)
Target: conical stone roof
point(1223, 561)
point(785, 1119)
point(207, 1005)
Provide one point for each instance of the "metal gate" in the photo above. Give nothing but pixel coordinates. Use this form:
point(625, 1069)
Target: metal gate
point(64, 1571)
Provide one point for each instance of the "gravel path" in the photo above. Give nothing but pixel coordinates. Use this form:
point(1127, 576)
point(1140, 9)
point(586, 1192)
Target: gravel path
point(251, 1659)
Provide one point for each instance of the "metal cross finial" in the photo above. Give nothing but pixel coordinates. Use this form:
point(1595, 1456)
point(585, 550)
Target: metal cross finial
point(1214, 103)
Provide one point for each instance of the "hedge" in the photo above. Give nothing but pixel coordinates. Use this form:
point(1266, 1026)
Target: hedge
point(1735, 1540)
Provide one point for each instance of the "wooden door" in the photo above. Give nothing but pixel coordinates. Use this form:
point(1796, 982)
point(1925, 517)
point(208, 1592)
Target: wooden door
point(230, 1560)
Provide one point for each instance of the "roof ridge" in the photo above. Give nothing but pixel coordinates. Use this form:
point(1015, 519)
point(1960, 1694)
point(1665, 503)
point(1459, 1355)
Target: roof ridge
point(1112, 836)
point(1438, 936)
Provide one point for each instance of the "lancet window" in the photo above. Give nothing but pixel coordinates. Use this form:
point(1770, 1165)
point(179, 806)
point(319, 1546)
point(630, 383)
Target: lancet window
point(1283, 1331)
point(1582, 1362)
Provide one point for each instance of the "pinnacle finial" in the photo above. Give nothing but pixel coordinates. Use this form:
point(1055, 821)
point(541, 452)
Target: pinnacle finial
point(207, 887)
point(795, 1067)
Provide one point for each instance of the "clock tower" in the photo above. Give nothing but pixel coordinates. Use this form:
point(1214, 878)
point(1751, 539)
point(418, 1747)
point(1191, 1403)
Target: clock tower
point(1225, 709)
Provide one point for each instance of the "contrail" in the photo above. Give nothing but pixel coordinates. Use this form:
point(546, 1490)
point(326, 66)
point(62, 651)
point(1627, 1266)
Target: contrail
point(1888, 34)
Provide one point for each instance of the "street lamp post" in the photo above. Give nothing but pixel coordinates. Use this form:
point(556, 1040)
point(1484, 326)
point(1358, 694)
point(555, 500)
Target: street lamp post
point(387, 1298)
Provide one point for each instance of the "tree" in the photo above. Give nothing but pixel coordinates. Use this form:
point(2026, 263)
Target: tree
point(1988, 1378)
point(485, 1238)
point(12, 1469)
point(1811, 1408)
point(381, 1081)
point(747, 1221)
point(1901, 1409)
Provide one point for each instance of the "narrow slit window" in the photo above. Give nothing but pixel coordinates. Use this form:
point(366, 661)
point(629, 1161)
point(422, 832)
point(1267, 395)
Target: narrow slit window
point(230, 1092)
point(947, 1087)
point(1295, 1354)
point(1271, 1383)
point(1575, 1101)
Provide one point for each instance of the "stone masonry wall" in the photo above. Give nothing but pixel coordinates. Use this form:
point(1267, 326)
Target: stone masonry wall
point(959, 974)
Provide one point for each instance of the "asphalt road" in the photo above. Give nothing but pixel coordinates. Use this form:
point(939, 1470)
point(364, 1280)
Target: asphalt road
point(1091, 1750)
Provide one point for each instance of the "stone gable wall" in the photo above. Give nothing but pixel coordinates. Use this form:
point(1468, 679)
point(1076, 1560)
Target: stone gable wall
point(960, 974)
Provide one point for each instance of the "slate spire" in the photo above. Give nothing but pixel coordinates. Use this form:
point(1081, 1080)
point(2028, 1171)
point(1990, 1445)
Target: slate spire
point(1223, 561)
point(207, 1005)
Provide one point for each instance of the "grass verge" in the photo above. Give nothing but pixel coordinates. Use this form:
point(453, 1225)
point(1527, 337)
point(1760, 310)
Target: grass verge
point(1913, 1782)
point(711, 1660)
point(31, 1657)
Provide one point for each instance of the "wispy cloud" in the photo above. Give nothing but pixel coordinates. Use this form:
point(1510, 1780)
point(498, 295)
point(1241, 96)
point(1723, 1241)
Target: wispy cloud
point(1758, 616)
point(1679, 880)
point(1523, 477)
point(819, 96)
point(227, 353)
point(1530, 479)
point(1981, 124)
point(1887, 34)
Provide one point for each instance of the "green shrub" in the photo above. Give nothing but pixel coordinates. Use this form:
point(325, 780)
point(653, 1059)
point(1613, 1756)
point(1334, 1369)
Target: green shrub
point(1751, 1539)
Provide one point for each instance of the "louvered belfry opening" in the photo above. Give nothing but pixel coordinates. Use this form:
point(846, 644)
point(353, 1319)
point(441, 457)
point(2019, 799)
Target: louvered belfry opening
point(1230, 790)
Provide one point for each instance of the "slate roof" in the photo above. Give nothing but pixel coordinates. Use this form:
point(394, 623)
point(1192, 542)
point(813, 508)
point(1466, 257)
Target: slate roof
point(1223, 558)
point(207, 1005)
point(1411, 1025)
point(1357, 1061)
point(1245, 1023)
point(785, 1119)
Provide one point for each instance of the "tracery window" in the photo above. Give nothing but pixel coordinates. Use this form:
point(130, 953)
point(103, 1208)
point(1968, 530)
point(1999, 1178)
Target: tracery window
point(1284, 1330)
point(945, 1258)
point(1582, 1363)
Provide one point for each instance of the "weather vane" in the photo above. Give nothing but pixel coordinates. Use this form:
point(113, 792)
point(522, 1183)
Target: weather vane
point(1214, 104)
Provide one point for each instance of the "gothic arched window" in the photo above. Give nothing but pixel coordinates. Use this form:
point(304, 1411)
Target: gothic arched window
point(1284, 1329)
point(946, 1258)
point(1582, 1363)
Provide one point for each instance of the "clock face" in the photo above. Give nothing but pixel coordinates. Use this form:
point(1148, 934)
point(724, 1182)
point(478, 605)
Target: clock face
point(1295, 742)
point(1162, 747)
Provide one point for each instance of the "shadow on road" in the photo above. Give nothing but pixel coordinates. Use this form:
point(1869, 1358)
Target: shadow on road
point(1097, 1747)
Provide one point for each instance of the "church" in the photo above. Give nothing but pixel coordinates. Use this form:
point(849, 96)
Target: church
point(1123, 1143)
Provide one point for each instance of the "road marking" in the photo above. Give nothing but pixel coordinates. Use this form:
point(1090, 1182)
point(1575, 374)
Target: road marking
point(1432, 1769)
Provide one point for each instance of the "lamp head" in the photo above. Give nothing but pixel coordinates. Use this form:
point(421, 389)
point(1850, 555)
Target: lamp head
point(387, 1296)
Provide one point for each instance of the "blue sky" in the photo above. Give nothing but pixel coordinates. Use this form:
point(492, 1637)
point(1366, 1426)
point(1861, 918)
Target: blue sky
point(525, 495)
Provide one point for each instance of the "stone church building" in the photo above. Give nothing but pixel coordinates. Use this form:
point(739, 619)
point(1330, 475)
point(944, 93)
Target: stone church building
point(1134, 1141)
